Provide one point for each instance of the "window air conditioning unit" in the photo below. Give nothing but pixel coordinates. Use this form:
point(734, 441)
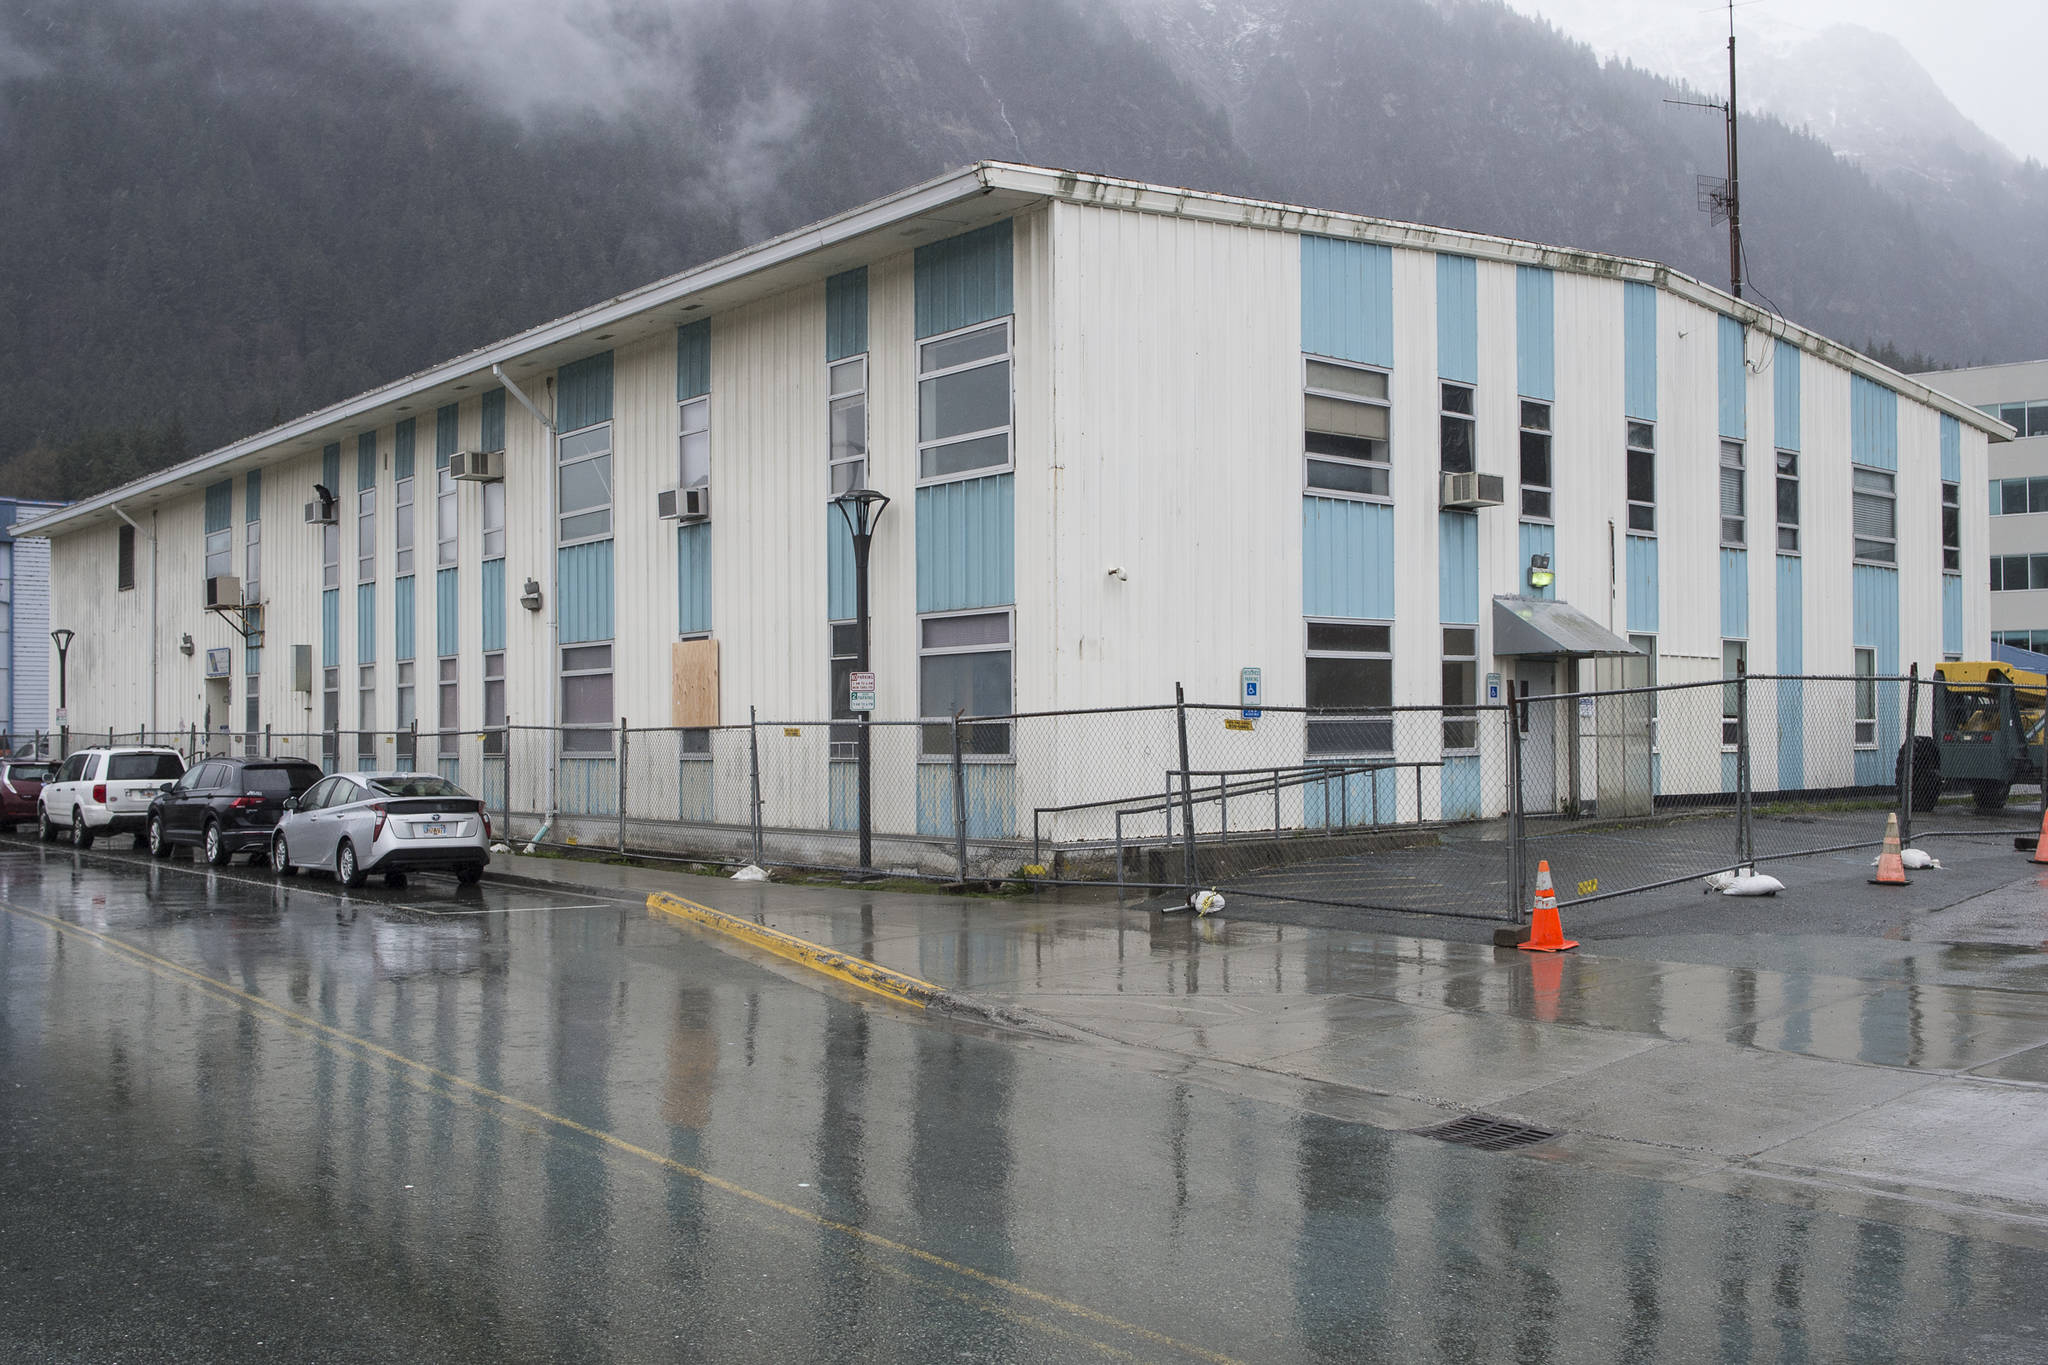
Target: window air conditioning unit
point(320, 512)
point(477, 466)
point(1472, 490)
point(684, 504)
point(224, 591)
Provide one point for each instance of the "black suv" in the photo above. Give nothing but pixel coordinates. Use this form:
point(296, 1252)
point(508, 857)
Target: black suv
point(227, 806)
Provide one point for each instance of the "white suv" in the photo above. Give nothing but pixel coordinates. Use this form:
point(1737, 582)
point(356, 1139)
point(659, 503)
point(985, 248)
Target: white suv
point(105, 791)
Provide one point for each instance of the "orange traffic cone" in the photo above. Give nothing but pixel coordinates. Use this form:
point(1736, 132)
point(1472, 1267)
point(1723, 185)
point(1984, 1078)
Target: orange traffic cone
point(1546, 931)
point(1890, 870)
point(2041, 848)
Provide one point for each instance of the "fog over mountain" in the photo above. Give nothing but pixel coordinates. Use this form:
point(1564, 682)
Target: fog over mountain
point(222, 213)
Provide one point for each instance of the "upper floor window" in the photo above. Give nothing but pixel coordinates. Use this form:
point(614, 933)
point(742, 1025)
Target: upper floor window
point(963, 403)
point(330, 555)
point(252, 560)
point(366, 536)
point(220, 552)
point(586, 485)
point(693, 443)
point(2017, 497)
point(1344, 429)
point(494, 520)
point(2026, 419)
point(1642, 476)
point(445, 515)
point(1456, 429)
point(124, 558)
point(1952, 527)
point(1788, 500)
point(401, 513)
point(1536, 460)
point(848, 425)
point(1734, 521)
point(1874, 515)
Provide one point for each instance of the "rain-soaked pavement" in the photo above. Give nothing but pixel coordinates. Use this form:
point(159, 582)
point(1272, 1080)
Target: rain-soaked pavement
point(242, 1118)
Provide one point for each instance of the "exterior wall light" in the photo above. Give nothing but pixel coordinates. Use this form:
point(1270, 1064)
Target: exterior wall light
point(529, 596)
point(1540, 575)
point(185, 646)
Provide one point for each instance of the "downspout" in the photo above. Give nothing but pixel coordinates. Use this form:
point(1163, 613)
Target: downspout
point(155, 644)
point(554, 620)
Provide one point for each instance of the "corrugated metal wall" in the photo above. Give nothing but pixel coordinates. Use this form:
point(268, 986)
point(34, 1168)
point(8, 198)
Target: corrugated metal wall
point(330, 628)
point(1639, 350)
point(1952, 450)
point(965, 279)
point(1734, 594)
point(220, 503)
point(583, 587)
point(1873, 424)
point(1791, 659)
point(1457, 318)
point(1347, 559)
point(402, 451)
point(693, 359)
point(583, 392)
point(366, 623)
point(693, 578)
point(491, 421)
point(447, 431)
point(490, 604)
point(1733, 370)
point(366, 466)
point(404, 628)
point(1642, 584)
point(1535, 333)
point(1457, 539)
point(330, 467)
point(846, 314)
point(966, 544)
point(1785, 394)
point(1347, 300)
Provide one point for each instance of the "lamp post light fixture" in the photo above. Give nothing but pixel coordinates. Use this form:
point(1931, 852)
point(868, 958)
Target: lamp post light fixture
point(62, 639)
point(862, 509)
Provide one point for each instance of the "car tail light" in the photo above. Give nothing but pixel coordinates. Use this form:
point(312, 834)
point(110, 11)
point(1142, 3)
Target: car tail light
point(99, 792)
point(246, 802)
point(377, 832)
point(487, 820)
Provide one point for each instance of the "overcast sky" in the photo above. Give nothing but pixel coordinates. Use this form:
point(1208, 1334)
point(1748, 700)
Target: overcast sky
point(1985, 54)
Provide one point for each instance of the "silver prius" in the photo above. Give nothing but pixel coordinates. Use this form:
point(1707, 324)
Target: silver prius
point(356, 825)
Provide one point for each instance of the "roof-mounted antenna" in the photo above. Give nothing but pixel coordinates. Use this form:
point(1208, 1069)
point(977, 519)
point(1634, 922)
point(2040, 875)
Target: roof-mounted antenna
point(1721, 198)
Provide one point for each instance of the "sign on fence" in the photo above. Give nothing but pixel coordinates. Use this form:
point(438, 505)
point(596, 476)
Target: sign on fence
point(1233, 723)
point(860, 688)
point(1248, 699)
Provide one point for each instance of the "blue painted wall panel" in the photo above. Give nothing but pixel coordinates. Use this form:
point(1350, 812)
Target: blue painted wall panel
point(1791, 658)
point(366, 623)
point(693, 578)
point(1951, 450)
point(1873, 424)
point(402, 450)
point(1734, 594)
point(583, 588)
point(491, 604)
point(991, 799)
point(447, 620)
point(1951, 614)
point(366, 460)
point(1457, 568)
point(1642, 584)
point(1457, 318)
point(1464, 788)
point(404, 626)
point(840, 588)
point(252, 496)
point(1734, 370)
point(964, 280)
point(447, 430)
point(220, 505)
point(1537, 538)
point(1347, 300)
point(589, 786)
point(1730, 762)
point(845, 797)
point(1785, 395)
point(846, 313)
point(330, 467)
point(696, 791)
point(693, 359)
point(1639, 350)
point(583, 392)
point(1352, 800)
point(966, 544)
point(330, 628)
point(1535, 333)
point(1347, 559)
point(491, 420)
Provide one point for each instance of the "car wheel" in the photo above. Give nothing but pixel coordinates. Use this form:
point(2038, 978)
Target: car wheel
point(394, 879)
point(159, 845)
point(217, 854)
point(1990, 795)
point(81, 837)
point(44, 828)
point(469, 874)
point(346, 870)
point(281, 858)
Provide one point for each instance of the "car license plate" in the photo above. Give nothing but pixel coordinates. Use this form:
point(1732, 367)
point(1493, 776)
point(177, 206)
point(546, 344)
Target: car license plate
point(433, 831)
point(142, 793)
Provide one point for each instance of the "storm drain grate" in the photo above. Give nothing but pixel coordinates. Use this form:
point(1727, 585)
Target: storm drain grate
point(1487, 1133)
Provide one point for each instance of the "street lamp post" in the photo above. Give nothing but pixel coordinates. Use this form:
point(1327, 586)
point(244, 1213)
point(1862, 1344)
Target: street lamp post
point(862, 510)
point(62, 639)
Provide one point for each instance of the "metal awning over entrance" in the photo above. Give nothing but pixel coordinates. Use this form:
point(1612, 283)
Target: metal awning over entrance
point(1539, 625)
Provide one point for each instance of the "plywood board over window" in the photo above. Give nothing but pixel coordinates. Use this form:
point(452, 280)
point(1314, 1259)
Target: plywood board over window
point(693, 682)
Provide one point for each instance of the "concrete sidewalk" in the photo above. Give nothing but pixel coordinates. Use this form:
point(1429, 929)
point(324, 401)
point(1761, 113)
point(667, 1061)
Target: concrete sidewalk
point(1904, 1078)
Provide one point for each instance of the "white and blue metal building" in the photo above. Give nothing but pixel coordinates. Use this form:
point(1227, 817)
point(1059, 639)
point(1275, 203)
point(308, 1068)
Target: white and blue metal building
point(1134, 435)
point(28, 689)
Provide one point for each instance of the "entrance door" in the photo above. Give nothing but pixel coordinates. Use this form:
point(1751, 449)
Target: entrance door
point(1537, 678)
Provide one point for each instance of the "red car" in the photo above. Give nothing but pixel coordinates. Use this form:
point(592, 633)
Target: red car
point(21, 782)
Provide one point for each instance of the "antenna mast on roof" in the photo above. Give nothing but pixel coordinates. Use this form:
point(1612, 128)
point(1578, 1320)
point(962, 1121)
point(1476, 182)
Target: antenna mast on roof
point(1721, 198)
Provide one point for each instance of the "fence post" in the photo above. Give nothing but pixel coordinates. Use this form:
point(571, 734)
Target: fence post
point(506, 745)
point(754, 781)
point(1745, 836)
point(266, 740)
point(622, 786)
point(192, 745)
point(1906, 755)
point(1517, 854)
point(960, 800)
point(1187, 796)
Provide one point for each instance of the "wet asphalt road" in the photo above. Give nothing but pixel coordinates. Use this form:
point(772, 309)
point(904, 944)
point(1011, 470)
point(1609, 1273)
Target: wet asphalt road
point(244, 1119)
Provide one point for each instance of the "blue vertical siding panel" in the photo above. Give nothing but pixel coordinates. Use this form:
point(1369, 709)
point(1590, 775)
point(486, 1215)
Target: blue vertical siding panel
point(447, 431)
point(583, 592)
point(966, 544)
point(1457, 318)
point(693, 578)
point(696, 791)
point(252, 496)
point(964, 280)
point(583, 392)
point(1734, 368)
point(1535, 333)
point(330, 628)
point(693, 359)
point(330, 467)
point(1873, 424)
point(1352, 800)
point(1734, 594)
point(1463, 788)
point(1875, 625)
point(1457, 568)
point(402, 449)
point(404, 626)
point(1639, 350)
point(366, 460)
point(991, 799)
point(845, 797)
point(1730, 770)
point(1642, 584)
point(846, 313)
point(1347, 559)
point(1951, 450)
point(491, 604)
point(220, 505)
point(588, 786)
point(1347, 300)
point(447, 623)
point(1785, 393)
point(1951, 614)
point(1791, 658)
point(366, 623)
point(840, 589)
point(491, 421)
point(1537, 539)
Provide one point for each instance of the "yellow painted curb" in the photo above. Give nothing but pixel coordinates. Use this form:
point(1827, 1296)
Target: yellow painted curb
point(855, 971)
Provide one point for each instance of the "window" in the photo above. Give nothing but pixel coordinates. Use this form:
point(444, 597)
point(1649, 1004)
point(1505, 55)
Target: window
point(1455, 429)
point(124, 559)
point(444, 515)
point(366, 714)
point(587, 711)
point(847, 425)
point(1646, 645)
point(963, 666)
point(330, 555)
point(1873, 516)
point(1350, 669)
point(845, 653)
point(963, 403)
point(252, 711)
point(401, 512)
point(330, 713)
point(586, 485)
point(220, 552)
point(494, 521)
point(694, 443)
point(1952, 527)
point(1866, 699)
point(1536, 460)
point(366, 536)
point(1734, 663)
point(449, 715)
point(2018, 573)
point(407, 716)
point(252, 561)
point(494, 703)
point(2026, 419)
point(1461, 687)
point(1344, 429)
point(1788, 501)
point(1734, 521)
point(1642, 477)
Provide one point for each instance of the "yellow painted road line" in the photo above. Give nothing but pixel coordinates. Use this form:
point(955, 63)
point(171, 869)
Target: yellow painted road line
point(233, 994)
point(855, 971)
